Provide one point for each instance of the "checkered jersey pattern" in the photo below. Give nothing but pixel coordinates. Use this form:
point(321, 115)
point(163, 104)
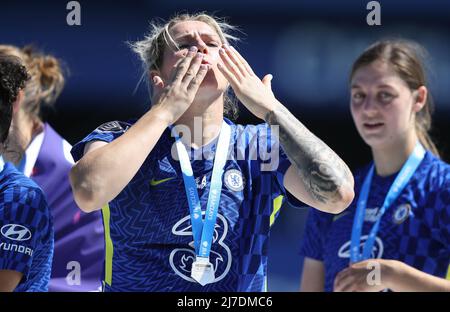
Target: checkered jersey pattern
point(414, 230)
point(26, 238)
point(149, 220)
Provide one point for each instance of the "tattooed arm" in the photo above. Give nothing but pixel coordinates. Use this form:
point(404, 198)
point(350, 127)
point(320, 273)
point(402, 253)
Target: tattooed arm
point(317, 176)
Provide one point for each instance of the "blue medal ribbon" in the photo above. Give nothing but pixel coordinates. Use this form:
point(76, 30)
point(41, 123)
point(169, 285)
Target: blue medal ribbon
point(396, 188)
point(203, 231)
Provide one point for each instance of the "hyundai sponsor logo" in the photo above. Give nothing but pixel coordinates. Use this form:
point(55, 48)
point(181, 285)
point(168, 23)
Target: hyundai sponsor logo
point(16, 248)
point(16, 232)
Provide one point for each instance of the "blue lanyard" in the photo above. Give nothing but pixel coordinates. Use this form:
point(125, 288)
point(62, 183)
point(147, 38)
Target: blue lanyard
point(203, 231)
point(396, 188)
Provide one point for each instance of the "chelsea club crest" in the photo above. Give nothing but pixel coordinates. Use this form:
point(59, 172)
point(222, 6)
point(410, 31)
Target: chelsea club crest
point(401, 213)
point(233, 180)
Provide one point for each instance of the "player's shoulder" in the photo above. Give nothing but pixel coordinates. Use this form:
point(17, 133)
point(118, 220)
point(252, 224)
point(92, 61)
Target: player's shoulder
point(434, 173)
point(10, 177)
point(16, 187)
point(115, 126)
point(106, 132)
point(321, 220)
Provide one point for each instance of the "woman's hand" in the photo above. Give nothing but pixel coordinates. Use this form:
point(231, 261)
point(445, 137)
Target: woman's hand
point(369, 275)
point(174, 98)
point(254, 93)
point(392, 274)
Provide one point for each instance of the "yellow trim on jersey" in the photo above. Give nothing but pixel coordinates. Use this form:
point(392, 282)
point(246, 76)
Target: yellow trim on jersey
point(277, 203)
point(448, 273)
point(109, 249)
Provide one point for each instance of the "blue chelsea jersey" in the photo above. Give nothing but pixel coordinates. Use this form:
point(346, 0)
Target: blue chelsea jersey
point(414, 230)
point(149, 243)
point(26, 238)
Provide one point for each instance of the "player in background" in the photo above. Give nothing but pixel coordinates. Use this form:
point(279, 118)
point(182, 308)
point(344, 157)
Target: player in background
point(398, 227)
point(42, 154)
point(26, 230)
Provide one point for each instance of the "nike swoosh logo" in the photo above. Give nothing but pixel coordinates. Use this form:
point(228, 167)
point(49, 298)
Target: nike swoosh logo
point(335, 218)
point(154, 182)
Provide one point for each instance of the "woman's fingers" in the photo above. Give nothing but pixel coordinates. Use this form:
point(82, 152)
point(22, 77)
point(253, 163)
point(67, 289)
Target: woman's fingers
point(344, 283)
point(341, 278)
point(360, 265)
point(233, 57)
point(230, 65)
point(349, 285)
point(188, 69)
point(243, 61)
point(228, 75)
point(197, 80)
point(183, 65)
point(355, 278)
point(193, 69)
point(267, 81)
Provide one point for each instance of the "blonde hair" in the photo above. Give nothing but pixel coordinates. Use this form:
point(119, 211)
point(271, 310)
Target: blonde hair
point(151, 49)
point(47, 78)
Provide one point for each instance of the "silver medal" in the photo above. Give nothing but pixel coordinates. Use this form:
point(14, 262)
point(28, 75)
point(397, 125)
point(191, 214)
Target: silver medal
point(203, 271)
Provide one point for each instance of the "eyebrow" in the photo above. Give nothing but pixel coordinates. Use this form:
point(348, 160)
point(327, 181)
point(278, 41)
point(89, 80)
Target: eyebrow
point(357, 86)
point(210, 35)
point(385, 86)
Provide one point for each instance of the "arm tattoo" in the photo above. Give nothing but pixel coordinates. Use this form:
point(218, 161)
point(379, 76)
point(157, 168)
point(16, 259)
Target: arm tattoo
point(321, 170)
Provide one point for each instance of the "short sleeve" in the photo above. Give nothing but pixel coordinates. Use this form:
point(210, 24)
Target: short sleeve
point(311, 246)
point(25, 225)
point(107, 132)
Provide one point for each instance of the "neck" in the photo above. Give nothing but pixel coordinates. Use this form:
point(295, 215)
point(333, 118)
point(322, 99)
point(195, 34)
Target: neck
point(390, 159)
point(204, 124)
point(19, 141)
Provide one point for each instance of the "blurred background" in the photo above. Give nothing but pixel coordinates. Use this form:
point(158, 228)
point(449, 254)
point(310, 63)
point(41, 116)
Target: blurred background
point(308, 46)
